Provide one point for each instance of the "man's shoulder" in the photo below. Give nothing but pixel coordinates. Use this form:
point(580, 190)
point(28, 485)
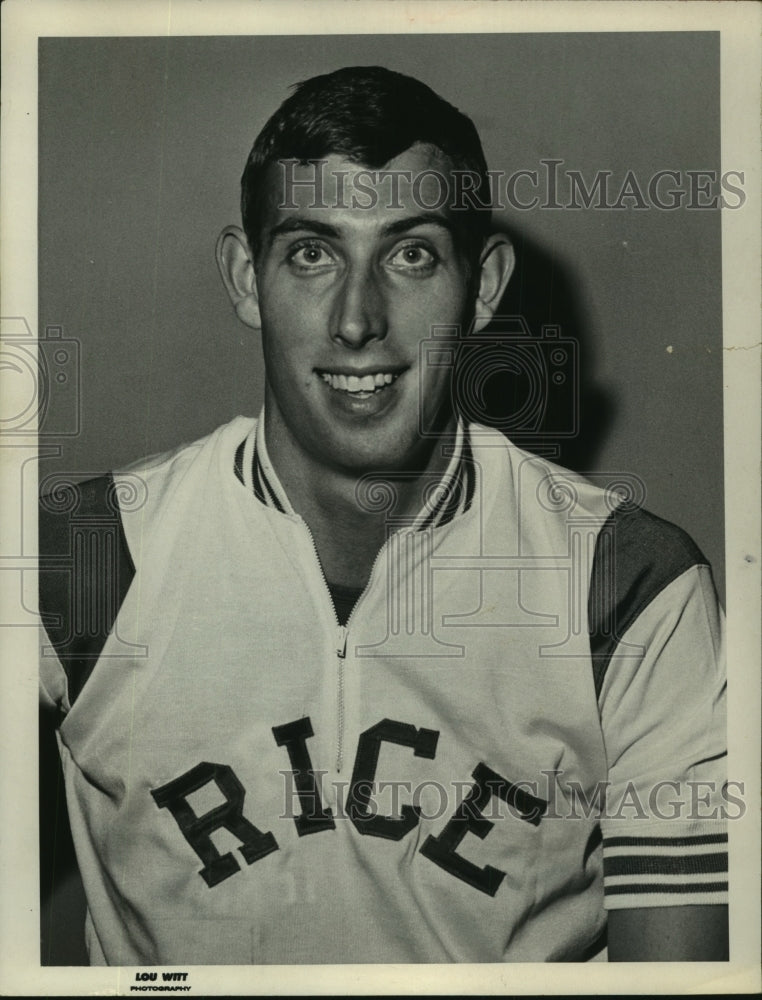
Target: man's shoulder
point(105, 494)
point(175, 460)
point(638, 558)
point(150, 486)
point(545, 493)
point(88, 534)
point(651, 540)
point(85, 570)
point(614, 501)
point(634, 555)
point(108, 498)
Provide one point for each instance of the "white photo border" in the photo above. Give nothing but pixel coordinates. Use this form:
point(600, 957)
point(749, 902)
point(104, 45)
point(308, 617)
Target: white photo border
point(24, 21)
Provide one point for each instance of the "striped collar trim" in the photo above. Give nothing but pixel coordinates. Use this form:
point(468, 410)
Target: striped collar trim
point(443, 501)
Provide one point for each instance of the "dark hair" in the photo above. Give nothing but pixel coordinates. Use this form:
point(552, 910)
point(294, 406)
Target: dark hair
point(368, 115)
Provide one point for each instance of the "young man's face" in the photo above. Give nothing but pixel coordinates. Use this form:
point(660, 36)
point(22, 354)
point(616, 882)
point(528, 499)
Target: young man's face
point(346, 295)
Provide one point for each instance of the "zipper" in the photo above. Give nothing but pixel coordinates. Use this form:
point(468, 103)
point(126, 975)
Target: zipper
point(342, 639)
point(341, 653)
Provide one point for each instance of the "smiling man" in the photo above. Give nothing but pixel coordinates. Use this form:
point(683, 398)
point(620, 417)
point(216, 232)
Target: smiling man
point(364, 689)
point(345, 291)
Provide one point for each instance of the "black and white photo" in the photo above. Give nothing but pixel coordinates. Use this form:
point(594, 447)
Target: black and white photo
point(385, 540)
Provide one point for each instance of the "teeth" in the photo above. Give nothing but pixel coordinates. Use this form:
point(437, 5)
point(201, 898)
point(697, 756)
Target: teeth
point(355, 383)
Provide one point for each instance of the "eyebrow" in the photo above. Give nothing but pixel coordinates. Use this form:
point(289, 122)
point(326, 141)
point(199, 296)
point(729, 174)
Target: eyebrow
point(300, 223)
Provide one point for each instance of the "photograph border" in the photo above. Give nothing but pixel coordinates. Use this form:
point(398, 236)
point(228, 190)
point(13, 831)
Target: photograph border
point(24, 21)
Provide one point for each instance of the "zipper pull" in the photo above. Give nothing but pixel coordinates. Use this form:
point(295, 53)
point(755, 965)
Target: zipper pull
point(341, 644)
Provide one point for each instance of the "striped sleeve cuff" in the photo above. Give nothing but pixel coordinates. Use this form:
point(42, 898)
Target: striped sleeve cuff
point(665, 870)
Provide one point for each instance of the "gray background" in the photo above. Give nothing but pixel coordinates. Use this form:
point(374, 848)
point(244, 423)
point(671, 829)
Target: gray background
point(142, 142)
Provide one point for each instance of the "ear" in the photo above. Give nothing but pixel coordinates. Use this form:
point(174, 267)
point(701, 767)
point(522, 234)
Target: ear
point(234, 259)
point(496, 265)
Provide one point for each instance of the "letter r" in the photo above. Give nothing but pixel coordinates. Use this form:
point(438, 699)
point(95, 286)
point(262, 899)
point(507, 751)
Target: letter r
point(197, 829)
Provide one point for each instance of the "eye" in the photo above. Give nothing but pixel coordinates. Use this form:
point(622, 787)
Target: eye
point(310, 256)
point(413, 257)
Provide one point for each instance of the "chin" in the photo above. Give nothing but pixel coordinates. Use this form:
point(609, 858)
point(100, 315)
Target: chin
point(383, 458)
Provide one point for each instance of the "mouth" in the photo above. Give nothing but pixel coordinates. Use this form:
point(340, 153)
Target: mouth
point(359, 386)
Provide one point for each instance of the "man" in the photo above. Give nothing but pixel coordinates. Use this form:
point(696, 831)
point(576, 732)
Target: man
point(340, 640)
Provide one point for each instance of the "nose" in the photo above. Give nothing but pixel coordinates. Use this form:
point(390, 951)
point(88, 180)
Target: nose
point(360, 309)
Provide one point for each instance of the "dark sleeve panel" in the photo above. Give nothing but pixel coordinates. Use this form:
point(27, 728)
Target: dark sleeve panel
point(636, 556)
point(85, 572)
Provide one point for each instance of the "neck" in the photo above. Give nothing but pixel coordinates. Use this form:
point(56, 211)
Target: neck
point(348, 533)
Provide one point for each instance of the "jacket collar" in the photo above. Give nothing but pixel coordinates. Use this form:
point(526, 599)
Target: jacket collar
point(441, 501)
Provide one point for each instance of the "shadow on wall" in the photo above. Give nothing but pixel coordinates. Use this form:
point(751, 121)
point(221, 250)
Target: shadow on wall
point(530, 373)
